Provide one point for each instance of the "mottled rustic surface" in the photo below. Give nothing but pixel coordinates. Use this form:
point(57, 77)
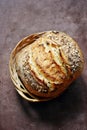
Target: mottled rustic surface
point(19, 18)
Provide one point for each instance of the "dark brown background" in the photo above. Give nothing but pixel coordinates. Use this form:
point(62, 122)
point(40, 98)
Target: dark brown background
point(19, 18)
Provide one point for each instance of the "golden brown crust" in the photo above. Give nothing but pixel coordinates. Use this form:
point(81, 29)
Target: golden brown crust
point(48, 62)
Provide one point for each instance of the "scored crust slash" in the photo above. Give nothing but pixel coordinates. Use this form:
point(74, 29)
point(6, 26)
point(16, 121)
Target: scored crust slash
point(44, 64)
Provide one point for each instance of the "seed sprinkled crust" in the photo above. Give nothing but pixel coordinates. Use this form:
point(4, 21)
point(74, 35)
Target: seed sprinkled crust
point(51, 61)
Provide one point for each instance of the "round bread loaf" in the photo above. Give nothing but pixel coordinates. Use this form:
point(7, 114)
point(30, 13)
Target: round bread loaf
point(45, 64)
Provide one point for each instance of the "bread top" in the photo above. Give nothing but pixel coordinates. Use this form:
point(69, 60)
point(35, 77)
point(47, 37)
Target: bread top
point(51, 60)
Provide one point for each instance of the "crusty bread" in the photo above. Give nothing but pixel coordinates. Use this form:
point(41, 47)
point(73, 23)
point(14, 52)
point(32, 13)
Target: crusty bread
point(47, 63)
